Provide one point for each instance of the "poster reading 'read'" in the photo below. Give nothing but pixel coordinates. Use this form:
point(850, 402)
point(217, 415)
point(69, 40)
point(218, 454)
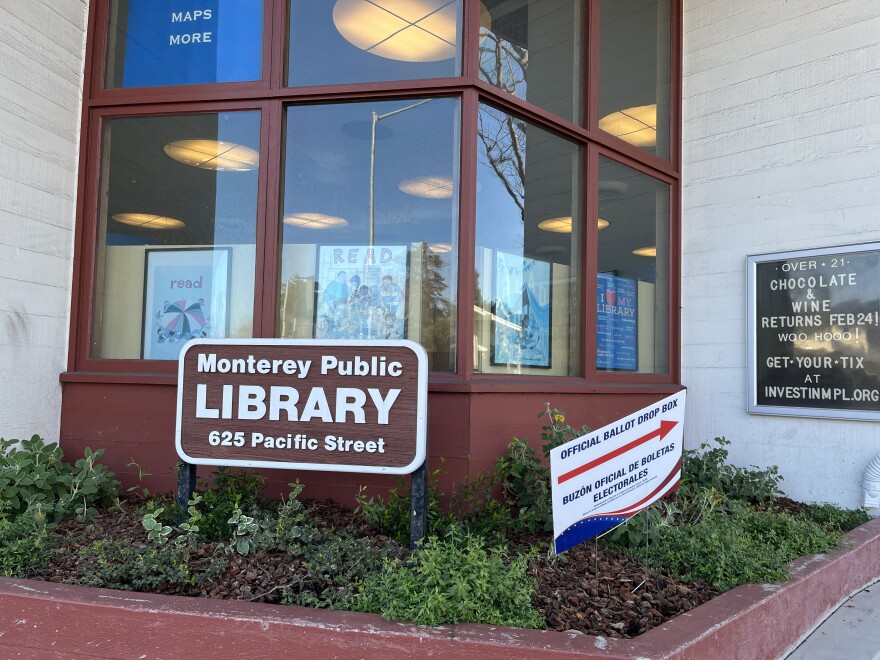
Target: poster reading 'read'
point(605, 477)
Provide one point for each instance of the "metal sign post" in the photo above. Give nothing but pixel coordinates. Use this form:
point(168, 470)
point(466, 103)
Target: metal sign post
point(418, 515)
point(186, 487)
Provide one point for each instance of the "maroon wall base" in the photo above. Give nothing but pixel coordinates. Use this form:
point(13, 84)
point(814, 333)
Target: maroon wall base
point(42, 620)
point(134, 424)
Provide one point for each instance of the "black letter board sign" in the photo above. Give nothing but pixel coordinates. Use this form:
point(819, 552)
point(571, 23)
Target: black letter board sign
point(814, 332)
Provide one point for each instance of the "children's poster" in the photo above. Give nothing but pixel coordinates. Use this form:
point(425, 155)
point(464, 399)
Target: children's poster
point(186, 297)
point(361, 292)
point(521, 334)
point(616, 337)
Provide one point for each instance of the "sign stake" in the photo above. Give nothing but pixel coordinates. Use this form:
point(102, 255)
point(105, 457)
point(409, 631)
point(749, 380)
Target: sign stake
point(418, 499)
point(186, 486)
point(418, 522)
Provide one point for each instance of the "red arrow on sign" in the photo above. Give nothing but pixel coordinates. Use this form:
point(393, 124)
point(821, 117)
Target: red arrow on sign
point(663, 431)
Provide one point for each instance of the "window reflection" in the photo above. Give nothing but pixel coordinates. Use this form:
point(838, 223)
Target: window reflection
point(350, 41)
point(634, 72)
point(527, 257)
point(369, 223)
point(632, 295)
point(532, 49)
point(176, 233)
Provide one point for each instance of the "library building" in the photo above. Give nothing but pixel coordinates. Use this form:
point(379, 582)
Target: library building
point(582, 205)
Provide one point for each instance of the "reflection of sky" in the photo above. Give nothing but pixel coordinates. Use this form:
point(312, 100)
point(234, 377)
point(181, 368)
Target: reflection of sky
point(327, 171)
point(319, 55)
point(499, 218)
point(235, 199)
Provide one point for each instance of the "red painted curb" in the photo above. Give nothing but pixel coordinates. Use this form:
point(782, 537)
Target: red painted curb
point(45, 620)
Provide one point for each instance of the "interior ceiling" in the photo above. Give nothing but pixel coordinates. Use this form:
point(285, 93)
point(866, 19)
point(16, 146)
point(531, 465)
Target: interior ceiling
point(215, 206)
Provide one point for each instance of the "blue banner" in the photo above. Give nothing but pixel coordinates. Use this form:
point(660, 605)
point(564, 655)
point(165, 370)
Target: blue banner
point(616, 337)
point(184, 42)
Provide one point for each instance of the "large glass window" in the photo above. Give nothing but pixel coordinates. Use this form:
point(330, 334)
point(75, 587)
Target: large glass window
point(182, 42)
point(634, 75)
point(350, 41)
point(527, 249)
point(532, 49)
point(176, 233)
point(361, 202)
point(370, 217)
point(632, 300)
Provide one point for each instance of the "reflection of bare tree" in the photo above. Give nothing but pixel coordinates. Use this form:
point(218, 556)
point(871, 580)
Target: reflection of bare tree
point(504, 150)
point(502, 63)
point(502, 136)
point(437, 334)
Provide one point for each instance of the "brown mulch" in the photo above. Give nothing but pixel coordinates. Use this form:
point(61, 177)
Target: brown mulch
point(588, 589)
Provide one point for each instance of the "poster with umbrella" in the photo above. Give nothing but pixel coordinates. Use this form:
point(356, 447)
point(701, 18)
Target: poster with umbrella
point(186, 296)
point(521, 313)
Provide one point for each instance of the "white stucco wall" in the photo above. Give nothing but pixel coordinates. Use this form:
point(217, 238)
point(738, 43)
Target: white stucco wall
point(41, 78)
point(781, 151)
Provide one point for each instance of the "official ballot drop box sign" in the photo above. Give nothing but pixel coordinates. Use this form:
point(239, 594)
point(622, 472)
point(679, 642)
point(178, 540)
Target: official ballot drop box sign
point(605, 477)
point(345, 406)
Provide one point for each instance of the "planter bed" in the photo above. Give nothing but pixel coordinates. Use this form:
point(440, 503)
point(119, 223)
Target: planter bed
point(45, 620)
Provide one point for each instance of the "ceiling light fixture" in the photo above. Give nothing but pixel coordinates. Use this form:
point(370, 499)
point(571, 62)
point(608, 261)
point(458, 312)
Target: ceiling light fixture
point(404, 30)
point(563, 225)
point(646, 251)
point(314, 221)
point(213, 155)
point(430, 187)
point(148, 221)
point(638, 125)
point(440, 248)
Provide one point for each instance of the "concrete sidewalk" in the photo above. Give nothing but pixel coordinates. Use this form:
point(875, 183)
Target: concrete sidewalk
point(852, 632)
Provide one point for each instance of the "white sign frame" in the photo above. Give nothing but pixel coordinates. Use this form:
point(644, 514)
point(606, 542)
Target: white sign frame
point(603, 478)
point(421, 443)
point(752, 406)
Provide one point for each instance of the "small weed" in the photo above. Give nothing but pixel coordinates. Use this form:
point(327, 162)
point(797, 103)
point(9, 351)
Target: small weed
point(231, 490)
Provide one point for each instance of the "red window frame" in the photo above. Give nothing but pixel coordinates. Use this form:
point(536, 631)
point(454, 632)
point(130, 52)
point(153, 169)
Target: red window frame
point(270, 96)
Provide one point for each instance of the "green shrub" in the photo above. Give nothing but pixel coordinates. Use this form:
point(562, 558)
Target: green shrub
point(710, 531)
point(708, 468)
point(748, 546)
point(231, 490)
point(515, 495)
point(333, 566)
point(294, 526)
point(525, 478)
point(24, 543)
point(244, 533)
point(32, 472)
point(390, 514)
point(451, 579)
point(834, 519)
point(120, 565)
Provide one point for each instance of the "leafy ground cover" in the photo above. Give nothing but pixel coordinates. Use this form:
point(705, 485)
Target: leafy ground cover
point(488, 559)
